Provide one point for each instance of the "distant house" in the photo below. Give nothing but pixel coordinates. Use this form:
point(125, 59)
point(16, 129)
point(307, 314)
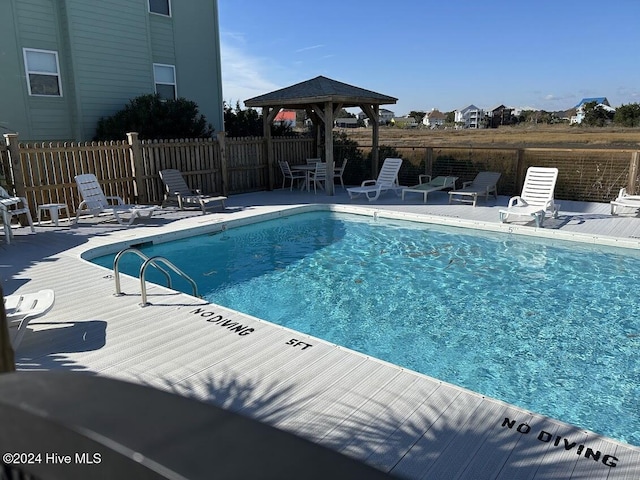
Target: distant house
point(434, 119)
point(286, 118)
point(67, 63)
point(385, 117)
point(469, 117)
point(500, 115)
point(601, 102)
point(346, 122)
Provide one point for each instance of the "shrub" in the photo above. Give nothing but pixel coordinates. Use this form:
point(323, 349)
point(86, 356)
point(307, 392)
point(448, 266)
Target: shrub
point(155, 118)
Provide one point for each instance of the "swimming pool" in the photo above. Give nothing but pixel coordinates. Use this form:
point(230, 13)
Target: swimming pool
point(549, 326)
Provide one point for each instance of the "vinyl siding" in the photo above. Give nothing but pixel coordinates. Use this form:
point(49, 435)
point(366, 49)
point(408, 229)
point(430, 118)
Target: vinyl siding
point(49, 117)
point(162, 39)
point(106, 50)
point(111, 56)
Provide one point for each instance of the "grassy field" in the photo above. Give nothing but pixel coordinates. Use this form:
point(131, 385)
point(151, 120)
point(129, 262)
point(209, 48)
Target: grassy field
point(556, 136)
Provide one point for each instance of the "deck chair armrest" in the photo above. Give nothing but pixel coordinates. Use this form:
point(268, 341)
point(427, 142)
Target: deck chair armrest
point(117, 199)
point(422, 177)
point(366, 183)
point(518, 200)
point(197, 191)
point(467, 184)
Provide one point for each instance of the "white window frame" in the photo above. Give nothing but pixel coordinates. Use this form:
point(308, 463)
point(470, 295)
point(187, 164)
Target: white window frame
point(158, 13)
point(156, 82)
point(25, 51)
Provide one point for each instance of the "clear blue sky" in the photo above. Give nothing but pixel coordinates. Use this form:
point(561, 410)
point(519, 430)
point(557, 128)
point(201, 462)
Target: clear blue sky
point(444, 54)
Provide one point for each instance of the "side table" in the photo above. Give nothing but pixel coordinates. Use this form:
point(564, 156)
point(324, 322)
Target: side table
point(54, 210)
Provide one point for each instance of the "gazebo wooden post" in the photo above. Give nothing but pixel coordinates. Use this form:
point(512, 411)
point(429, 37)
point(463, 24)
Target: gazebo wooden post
point(328, 145)
point(268, 114)
point(375, 141)
point(373, 113)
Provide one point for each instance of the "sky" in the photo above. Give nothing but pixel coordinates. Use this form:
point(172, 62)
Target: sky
point(443, 54)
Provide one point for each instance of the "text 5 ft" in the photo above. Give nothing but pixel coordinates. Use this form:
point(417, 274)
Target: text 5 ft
point(294, 342)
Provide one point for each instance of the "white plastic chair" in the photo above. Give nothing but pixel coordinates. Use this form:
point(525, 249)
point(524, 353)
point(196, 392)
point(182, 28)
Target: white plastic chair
point(387, 180)
point(22, 308)
point(177, 191)
point(536, 197)
point(318, 176)
point(10, 207)
point(484, 184)
point(95, 202)
point(340, 171)
point(287, 174)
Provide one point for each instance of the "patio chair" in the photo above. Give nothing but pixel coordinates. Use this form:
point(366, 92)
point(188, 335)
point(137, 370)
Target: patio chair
point(10, 207)
point(318, 175)
point(177, 191)
point(287, 174)
point(624, 200)
point(339, 171)
point(536, 197)
point(428, 185)
point(22, 308)
point(95, 202)
point(484, 184)
point(387, 180)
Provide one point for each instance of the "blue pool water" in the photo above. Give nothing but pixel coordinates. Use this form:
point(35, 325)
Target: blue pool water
point(550, 327)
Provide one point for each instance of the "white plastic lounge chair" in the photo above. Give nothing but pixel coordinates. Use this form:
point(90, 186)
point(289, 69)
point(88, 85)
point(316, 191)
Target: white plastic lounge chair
point(428, 185)
point(12, 206)
point(339, 171)
point(95, 202)
point(484, 184)
point(387, 180)
point(537, 196)
point(22, 308)
point(318, 175)
point(288, 174)
point(624, 200)
point(178, 191)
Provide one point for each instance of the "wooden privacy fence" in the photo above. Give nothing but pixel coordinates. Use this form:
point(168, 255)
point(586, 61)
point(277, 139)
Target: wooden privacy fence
point(44, 173)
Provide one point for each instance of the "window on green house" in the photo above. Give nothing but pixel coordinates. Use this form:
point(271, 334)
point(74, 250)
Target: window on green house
point(43, 72)
point(161, 7)
point(165, 80)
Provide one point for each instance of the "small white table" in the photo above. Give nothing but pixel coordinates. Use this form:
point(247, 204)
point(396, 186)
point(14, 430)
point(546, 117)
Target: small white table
point(307, 169)
point(54, 210)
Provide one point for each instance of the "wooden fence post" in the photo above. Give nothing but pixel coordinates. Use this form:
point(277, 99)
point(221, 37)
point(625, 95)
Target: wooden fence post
point(633, 173)
point(520, 171)
point(15, 164)
point(223, 163)
point(139, 187)
point(428, 165)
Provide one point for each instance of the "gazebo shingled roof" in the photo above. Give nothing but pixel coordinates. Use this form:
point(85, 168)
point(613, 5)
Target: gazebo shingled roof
point(322, 98)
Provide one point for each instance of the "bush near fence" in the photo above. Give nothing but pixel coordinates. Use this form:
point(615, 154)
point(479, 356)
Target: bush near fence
point(44, 172)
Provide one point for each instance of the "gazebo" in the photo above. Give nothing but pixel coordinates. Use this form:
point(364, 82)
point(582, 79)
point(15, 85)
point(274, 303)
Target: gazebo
point(322, 98)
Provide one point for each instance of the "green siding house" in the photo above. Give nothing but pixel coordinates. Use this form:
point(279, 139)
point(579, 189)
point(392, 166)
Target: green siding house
point(64, 64)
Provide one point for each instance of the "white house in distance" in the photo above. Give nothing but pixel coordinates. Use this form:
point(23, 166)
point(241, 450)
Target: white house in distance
point(601, 102)
point(434, 119)
point(469, 117)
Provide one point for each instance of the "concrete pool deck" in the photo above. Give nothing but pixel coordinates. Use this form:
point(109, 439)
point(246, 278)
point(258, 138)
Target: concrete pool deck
point(402, 422)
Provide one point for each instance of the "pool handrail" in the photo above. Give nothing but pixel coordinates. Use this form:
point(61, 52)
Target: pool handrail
point(153, 261)
point(116, 268)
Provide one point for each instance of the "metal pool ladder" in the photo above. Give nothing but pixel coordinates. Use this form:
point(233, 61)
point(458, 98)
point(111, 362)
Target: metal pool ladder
point(154, 261)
